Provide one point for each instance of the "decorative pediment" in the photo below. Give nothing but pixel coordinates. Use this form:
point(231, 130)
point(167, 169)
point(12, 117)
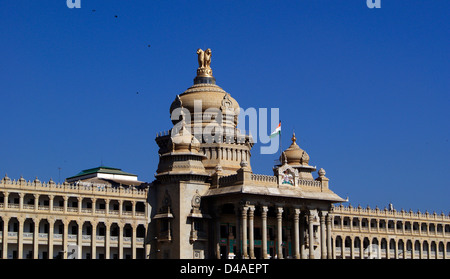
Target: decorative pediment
point(287, 175)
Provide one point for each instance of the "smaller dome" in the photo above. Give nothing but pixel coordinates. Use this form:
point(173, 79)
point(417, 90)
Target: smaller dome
point(184, 141)
point(294, 155)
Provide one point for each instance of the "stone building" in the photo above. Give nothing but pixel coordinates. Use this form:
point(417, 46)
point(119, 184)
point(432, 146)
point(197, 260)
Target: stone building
point(206, 202)
point(92, 217)
point(360, 233)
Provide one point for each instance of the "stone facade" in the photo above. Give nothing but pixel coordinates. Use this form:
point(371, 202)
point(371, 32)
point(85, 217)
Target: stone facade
point(49, 220)
point(359, 233)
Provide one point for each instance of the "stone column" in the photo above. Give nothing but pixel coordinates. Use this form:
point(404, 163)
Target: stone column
point(251, 230)
point(323, 242)
point(5, 234)
point(106, 207)
point(280, 231)
point(107, 240)
point(264, 230)
point(36, 238)
point(51, 225)
point(94, 239)
point(21, 195)
point(65, 238)
point(80, 239)
point(20, 238)
point(352, 244)
point(5, 203)
point(297, 233)
point(311, 235)
point(329, 248)
point(66, 198)
point(120, 208)
point(244, 232)
point(50, 203)
point(94, 201)
point(133, 241)
point(121, 227)
point(36, 202)
point(80, 200)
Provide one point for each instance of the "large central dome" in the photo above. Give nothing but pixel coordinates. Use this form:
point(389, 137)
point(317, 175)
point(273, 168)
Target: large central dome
point(205, 101)
point(211, 116)
point(209, 100)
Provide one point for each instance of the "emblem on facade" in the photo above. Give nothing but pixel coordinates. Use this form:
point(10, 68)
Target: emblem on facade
point(287, 175)
point(287, 178)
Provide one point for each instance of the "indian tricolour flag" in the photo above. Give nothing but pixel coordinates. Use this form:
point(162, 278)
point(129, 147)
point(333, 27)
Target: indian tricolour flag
point(277, 130)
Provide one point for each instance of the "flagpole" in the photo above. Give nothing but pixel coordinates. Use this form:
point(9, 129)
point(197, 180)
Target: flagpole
point(281, 159)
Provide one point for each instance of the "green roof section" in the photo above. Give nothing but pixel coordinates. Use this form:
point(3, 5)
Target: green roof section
point(102, 169)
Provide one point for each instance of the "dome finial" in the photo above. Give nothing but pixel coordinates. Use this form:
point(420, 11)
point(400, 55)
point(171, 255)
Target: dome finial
point(204, 63)
point(294, 139)
point(204, 71)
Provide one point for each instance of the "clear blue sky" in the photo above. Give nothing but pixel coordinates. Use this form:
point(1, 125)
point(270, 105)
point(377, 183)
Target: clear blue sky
point(367, 90)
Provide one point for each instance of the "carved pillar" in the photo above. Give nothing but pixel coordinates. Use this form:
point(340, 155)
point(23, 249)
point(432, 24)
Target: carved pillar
point(36, 202)
point(65, 238)
point(21, 195)
point(107, 207)
point(5, 204)
point(133, 240)
point(50, 203)
point(5, 233)
point(66, 198)
point(107, 240)
point(311, 235)
point(244, 232)
point(80, 200)
point(94, 238)
point(264, 230)
point(323, 242)
point(80, 239)
point(121, 227)
point(120, 208)
point(280, 231)
point(94, 201)
point(297, 233)
point(20, 238)
point(251, 230)
point(51, 225)
point(329, 248)
point(36, 239)
point(352, 247)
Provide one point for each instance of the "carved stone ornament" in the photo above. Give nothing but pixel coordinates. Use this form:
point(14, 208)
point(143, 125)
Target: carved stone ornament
point(287, 175)
point(196, 200)
point(226, 102)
